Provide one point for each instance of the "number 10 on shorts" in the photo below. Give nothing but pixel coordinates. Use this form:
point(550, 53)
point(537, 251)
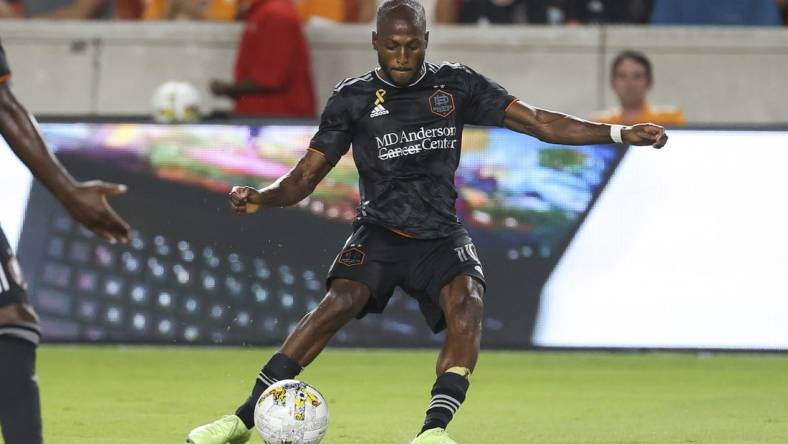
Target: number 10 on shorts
point(467, 250)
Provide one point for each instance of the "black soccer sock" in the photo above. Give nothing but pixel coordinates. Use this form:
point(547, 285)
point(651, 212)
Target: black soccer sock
point(279, 367)
point(20, 407)
point(448, 393)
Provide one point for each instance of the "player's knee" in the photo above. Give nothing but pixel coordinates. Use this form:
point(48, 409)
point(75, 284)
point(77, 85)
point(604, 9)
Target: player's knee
point(466, 299)
point(465, 312)
point(336, 306)
point(472, 305)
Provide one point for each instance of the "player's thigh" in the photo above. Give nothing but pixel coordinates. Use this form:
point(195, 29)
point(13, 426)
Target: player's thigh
point(345, 297)
point(441, 262)
point(449, 259)
point(371, 256)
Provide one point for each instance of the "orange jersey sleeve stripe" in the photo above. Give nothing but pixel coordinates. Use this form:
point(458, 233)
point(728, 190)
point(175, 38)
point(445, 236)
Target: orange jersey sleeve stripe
point(5, 78)
point(510, 104)
point(316, 150)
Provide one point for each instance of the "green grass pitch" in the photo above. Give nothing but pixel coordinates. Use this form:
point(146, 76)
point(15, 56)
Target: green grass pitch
point(148, 395)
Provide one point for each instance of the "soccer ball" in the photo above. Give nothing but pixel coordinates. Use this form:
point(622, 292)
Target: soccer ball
point(176, 102)
point(291, 412)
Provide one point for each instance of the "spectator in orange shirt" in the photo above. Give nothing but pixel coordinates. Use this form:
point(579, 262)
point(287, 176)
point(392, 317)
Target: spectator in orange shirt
point(631, 78)
point(215, 10)
point(273, 76)
point(331, 10)
point(11, 9)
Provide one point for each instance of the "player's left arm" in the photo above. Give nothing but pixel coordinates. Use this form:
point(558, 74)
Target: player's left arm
point(554, 127)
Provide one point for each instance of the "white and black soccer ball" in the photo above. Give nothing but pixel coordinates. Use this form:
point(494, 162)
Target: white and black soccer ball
point(176, 102)
point(291, 412)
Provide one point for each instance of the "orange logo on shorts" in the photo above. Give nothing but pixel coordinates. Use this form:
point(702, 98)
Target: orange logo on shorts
point(351, 257)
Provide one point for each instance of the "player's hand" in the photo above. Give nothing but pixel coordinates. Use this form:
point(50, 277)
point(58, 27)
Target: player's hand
point(244, 200)
point(644, 134)
point(220, 88)
point(88, 204)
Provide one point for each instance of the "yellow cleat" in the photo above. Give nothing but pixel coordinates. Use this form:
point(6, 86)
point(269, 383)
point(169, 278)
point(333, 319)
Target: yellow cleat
point(227, 430)
point(434, 436)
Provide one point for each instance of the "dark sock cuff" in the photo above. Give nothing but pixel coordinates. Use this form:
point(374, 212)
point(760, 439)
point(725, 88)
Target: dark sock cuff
point(282, 367)
point(451, 384)
point(277, 368)
point(246, 412)
point(448, 394)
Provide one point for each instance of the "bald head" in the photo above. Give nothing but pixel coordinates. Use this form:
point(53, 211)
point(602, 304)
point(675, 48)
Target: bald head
point(401, 40)
point(408, 11)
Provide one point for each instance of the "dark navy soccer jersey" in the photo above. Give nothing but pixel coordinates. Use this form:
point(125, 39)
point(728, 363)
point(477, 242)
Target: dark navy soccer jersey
point(406, 142)
point(5, 71)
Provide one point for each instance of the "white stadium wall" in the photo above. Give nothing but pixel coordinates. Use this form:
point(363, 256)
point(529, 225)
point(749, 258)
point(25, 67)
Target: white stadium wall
point(685, 248)
point(718, 75)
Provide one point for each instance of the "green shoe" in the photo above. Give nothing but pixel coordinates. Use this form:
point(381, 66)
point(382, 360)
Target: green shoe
point(229, 429)
point(434, 436)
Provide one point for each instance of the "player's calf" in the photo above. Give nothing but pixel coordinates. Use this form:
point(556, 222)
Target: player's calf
point(463, 307)
point(343, 301)
point(340, 305)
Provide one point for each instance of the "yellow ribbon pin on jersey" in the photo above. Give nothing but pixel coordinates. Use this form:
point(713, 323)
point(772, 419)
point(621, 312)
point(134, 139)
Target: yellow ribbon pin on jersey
point(380, 94)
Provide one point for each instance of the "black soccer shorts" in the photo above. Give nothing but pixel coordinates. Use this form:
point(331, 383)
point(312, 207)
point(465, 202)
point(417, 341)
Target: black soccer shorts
point(384, 260)
point(12, 283)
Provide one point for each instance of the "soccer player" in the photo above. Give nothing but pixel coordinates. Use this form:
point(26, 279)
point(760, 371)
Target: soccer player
point(20, 413)
point(405, 121)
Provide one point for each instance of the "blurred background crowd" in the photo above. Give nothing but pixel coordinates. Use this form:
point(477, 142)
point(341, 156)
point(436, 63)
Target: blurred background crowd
point(288, 54)
point(554, 12)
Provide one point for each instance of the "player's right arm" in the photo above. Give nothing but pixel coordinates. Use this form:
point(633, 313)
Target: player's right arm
point(86, 201)
point(491, 105)
point(554, 127)
point(329, 144)
point(288, 190)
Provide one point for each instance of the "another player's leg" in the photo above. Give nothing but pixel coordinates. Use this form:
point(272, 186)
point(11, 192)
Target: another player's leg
point(20, 408)
point(344, 300)
point(462, 304)
point(20, 405)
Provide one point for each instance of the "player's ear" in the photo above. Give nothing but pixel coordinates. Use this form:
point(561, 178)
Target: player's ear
point(374, 40)
point(426, 39)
